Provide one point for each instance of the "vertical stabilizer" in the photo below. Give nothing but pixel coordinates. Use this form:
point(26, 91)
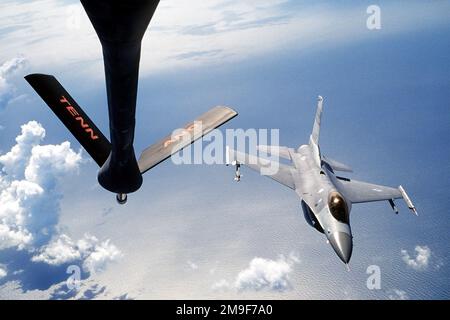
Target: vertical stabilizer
point(316, 128)
point(314, 138)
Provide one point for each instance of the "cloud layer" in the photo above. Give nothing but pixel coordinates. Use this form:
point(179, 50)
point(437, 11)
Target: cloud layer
point(198, 33)
point(30, 196)
point(93, 254)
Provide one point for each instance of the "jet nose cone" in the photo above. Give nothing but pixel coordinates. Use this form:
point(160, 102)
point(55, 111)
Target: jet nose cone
point(343, 245)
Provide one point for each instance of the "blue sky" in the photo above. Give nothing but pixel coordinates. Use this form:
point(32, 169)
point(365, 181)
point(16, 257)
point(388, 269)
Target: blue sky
point(191, 232)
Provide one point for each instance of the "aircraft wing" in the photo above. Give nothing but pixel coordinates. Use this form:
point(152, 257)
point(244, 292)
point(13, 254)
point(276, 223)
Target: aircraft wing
point(71, 115)
point(282, 152)
point(359, 192)
point(282, 175)
point(183, 137)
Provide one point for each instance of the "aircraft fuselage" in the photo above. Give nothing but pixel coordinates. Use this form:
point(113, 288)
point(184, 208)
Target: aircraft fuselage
point(324, 206)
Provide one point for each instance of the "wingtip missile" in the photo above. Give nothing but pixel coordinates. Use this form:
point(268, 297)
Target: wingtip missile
point(408, 201)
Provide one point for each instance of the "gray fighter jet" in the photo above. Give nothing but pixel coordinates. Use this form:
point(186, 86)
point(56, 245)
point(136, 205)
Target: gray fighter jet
point(326, 198)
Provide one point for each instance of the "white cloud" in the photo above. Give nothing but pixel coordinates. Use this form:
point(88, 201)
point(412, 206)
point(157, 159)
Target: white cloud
point(3, 272)
point(93, 254)
point(15, 161)
point(29, 195)
point(59, 251)
point(221, 285)
point(397, 294)
point(100, 255)
point(262, 274)
point(192, 265)
point(50, 162)
point(7, 70)
point(30, 175)
point(421, 261)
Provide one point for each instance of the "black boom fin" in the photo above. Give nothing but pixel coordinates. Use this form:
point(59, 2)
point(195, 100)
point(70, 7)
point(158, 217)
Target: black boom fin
point(71, 115)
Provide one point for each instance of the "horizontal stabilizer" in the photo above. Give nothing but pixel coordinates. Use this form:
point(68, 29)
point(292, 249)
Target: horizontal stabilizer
point(336, 165)
point(71, 115)
point(282, 152)
point(185, 136)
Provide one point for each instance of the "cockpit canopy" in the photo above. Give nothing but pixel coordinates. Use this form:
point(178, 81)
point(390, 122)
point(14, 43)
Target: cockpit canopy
point(338, 207)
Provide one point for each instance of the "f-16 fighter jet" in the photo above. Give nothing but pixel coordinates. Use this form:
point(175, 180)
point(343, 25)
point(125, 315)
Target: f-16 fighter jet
point(326, 198)
point(120, 26)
